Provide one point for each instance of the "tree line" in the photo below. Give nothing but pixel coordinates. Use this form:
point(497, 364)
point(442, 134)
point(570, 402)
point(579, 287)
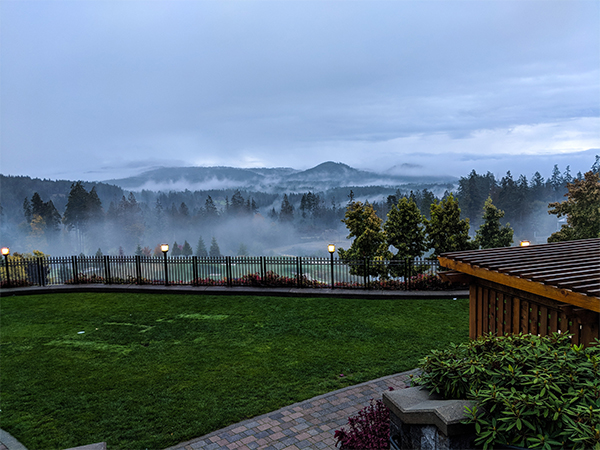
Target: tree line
point(408, 234)
point(480, 201)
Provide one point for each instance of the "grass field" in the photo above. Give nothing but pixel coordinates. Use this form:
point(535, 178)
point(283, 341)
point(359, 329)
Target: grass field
point(150, 371)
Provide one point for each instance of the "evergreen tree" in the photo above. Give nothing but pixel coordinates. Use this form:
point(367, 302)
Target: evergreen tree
point(27, 210)
point(596, 166)
point(99, 253)
point(176, 250)
point(201, 251)
point(287, 210)
point(491, 233)
point(242, 251)
point(237, 204)
point(138, 250)
point(211, 210)
point(214, 249)
point(582, 209)
point(187, 249)
point(446, 232)
point(76, 215)
point(404, 230)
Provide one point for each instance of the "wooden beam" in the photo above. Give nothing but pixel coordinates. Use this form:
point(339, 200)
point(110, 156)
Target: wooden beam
point(562, 295)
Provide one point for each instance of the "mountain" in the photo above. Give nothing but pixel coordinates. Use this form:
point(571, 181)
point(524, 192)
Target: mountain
point(281, 179)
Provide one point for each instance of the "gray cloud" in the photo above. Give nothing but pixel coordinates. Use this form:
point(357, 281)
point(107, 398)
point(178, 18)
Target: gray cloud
point(96, 87)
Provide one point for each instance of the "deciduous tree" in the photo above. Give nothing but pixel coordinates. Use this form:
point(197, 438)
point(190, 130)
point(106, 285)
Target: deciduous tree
point(369, 239)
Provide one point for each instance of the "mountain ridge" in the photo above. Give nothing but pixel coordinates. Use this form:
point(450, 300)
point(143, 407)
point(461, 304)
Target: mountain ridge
point(321, 177)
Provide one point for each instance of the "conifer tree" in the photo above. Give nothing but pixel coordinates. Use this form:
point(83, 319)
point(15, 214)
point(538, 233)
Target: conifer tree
point(491, 233)
point(287, 210)
point(176, 250)
point(582, 209)
point(404, 229)
point(214, 249)
point(201, 251)
point(242, 251)
point(187, 249)
point(446, 232)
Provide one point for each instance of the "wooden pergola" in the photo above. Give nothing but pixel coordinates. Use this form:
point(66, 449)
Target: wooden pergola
point(537, 289)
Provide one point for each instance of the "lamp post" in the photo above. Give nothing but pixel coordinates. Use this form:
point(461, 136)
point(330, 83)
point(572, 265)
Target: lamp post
point(331, 250)
point(5, 253)
point(165, 249)
point(525, 244)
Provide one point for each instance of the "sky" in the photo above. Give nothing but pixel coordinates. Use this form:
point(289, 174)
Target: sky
point(101, 89)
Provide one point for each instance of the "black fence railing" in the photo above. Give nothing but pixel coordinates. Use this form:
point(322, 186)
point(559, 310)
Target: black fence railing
point(294, 272)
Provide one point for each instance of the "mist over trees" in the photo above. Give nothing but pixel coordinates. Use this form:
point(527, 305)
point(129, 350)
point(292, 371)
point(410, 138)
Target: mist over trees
point(63, 217)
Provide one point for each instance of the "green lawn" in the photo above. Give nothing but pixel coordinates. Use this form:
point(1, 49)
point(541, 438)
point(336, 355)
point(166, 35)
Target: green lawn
point(154, 370)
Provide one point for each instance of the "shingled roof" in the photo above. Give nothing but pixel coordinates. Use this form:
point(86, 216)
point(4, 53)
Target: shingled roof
point(565, 271)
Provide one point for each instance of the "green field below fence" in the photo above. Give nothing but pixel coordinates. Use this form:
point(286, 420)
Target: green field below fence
point(152, 370)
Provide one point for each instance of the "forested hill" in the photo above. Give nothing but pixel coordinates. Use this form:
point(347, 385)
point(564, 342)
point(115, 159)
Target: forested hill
point(325, 176)
point(15, 189)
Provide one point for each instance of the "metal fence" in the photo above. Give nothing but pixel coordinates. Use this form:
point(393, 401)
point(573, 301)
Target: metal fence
point(294, 272)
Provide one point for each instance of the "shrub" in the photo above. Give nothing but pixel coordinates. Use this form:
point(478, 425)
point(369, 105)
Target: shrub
point(530, 391)
point(369, 429)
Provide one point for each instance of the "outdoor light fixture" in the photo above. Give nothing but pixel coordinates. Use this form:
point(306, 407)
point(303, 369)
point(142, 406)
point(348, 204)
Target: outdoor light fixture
point(165, 248)
point(331, 250)
point(5, 253)
point(525, 244)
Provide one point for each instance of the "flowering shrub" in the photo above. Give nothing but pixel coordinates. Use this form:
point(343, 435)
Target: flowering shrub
point(15, 283)
point(369, 429)
point(209, 282)
point(273, 279)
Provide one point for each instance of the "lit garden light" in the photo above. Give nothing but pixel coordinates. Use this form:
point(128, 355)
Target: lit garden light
point(525, 244)
point(5, 253)
point(165, 249)
point(331, 250)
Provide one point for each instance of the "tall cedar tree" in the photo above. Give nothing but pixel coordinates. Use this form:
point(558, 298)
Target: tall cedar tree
point(201, 251)
point(491, 234)
point(369, 239)
point(287, 210)
point(187, 249)
point(445, 231)
point(404, 229)
point(582, 209)
point(214, 251)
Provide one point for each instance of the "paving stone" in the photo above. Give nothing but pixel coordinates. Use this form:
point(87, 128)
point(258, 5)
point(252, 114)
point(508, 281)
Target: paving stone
point(309, 424)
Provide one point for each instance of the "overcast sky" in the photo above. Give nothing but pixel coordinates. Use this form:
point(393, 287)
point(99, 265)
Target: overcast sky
point(101, 89)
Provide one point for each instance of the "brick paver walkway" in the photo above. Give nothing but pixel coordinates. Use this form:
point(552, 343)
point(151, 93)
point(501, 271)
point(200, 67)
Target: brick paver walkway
point(308, 424)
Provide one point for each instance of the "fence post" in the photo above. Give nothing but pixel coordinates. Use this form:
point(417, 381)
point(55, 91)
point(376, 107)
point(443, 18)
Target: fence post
point(107, 279)
point(262, 269)
point(194, 271)
point(228, 270)
point(74, 265)
point(39, 271)
point(138, 270)
point(299, 270)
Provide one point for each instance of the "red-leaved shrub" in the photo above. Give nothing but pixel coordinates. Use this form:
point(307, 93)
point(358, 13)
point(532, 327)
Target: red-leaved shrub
point(369, 429)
